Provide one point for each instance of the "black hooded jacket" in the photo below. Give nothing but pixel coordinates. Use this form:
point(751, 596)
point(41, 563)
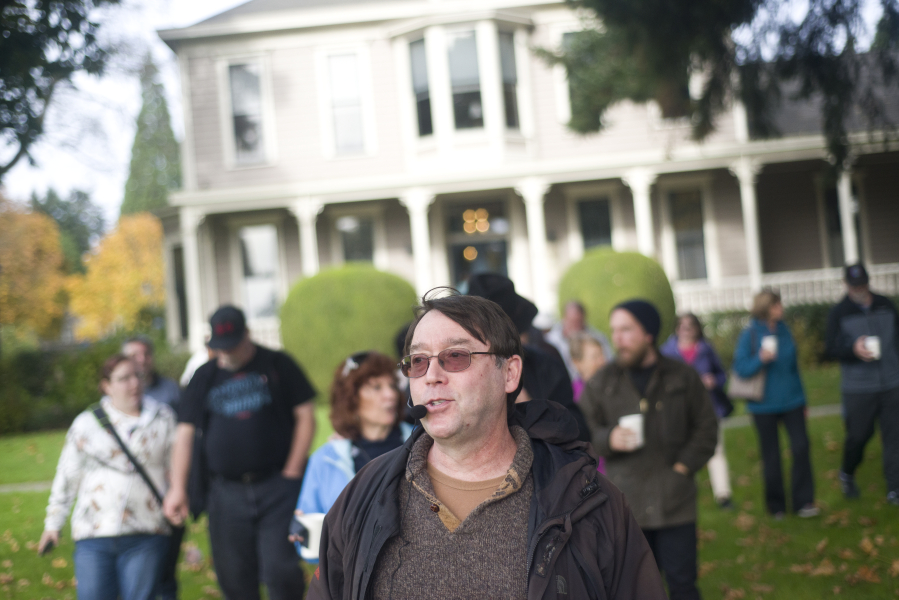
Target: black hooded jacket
point(583, 541)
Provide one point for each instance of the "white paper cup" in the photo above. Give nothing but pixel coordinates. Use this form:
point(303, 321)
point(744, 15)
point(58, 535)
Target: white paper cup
point(872, 345)
point(313, 523)
point(769, 343)
point(633, 423)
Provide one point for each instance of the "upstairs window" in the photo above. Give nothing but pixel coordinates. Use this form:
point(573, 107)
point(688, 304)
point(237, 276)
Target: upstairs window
point(346, 104)
point(420, 87)
point(465, 80)
point(246, 113)
point(510, 79)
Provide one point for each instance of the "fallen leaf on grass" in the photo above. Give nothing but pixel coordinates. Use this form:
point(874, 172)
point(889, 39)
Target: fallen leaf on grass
point(6, 578)
point(894, 569)
point(7, 564)
point(825, 568)
point(31, 545)
point(707, 567)
point(821, 545)
point(47, 580)
point(841, 518)
point(23, 583)
point(733, 593)
point(867, 521)
point(878, 540)
point(762, 588)
point(807, 568)
point(744, 481)
point(744, 522)
point(867, 546)
point(846, 554)
point(211, 591)
point(707, 535)
point(750, 576)
point(59, 563)
point(836, 590)
point(866, 573)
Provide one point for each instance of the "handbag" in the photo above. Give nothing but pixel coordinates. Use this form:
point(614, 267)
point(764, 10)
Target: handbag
point(752, 388)
point(171, 562)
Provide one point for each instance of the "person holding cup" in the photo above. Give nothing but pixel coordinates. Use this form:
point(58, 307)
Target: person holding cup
point(767, 345)
point(863, 334)
point(652, 419)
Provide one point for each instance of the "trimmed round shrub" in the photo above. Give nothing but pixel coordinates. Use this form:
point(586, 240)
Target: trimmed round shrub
point(604, 278)
point(338, 312)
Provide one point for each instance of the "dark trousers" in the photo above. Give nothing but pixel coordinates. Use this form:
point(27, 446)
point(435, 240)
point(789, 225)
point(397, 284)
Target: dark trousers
point(860, 412)
point(674, 549)
point(248, 534)
point(802, 482)
point(167, 588)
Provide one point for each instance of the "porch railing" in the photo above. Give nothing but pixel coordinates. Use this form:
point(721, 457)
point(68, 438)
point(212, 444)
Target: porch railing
point(817, 286)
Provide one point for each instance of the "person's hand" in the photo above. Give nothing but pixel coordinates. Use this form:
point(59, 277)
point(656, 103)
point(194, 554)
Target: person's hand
point(681, 468)
point(175, 505)
point(293, 537)
point(766, 356)
point(622, 440)
point(50, 538)
point(861, 351)
point(709, 381)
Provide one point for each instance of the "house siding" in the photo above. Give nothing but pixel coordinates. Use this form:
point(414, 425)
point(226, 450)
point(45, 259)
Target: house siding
point(729, 221)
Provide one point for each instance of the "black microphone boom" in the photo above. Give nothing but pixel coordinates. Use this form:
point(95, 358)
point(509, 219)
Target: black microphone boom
point(416, 411)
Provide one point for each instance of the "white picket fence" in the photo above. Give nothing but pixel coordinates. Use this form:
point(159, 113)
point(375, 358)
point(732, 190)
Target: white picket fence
point(816, 286)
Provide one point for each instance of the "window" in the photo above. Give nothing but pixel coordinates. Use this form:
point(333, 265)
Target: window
point(686, 219)
point(246, 112)
point(346, 104)
point(476, 236)
point(510, 78)
point(357, 236)
point(420, 87)
point(465, 80)
point(260, 258)
point(596, 222)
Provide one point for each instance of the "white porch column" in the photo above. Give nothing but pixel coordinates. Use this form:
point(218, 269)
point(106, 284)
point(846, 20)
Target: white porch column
point(306, 211)
point(533, 191)
point(746, 171)
point(847, 217)
point(640, 181)
point(191, 218)
point(417, 201)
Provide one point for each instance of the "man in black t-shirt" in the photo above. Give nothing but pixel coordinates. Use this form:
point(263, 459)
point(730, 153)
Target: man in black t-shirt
point(251, 406)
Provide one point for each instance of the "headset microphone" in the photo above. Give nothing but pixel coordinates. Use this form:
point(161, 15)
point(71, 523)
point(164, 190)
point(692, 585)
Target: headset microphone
point(416, 411)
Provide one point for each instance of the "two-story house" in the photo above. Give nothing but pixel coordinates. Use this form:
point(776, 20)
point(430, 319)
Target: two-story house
point(426, 137)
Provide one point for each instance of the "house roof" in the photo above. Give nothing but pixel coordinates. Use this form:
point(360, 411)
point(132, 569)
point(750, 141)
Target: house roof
point(258, 7)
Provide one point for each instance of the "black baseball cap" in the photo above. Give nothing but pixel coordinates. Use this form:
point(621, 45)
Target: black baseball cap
point(501, 290)
point(228, 327)
point(855, 275)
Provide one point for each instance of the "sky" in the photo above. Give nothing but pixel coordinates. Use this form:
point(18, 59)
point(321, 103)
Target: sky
point(90, 128)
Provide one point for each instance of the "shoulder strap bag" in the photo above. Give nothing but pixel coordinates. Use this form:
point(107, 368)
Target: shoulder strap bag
point(752, 388)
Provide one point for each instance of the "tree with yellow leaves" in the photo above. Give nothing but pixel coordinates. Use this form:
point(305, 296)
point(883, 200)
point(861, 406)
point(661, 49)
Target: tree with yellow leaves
point(32, 282)
point(124, 277)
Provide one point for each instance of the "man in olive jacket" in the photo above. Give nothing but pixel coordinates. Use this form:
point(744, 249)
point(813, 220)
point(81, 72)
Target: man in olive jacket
point(476, 504)
point(679, 433)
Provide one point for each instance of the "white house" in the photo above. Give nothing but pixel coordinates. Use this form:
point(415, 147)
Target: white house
point(426, 137)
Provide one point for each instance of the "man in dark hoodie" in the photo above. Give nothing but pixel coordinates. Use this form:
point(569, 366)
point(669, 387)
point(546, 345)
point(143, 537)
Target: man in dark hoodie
point(863, 334)
point(488, 499)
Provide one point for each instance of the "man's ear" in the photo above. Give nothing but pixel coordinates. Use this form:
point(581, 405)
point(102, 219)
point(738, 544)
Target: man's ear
point(513, 368)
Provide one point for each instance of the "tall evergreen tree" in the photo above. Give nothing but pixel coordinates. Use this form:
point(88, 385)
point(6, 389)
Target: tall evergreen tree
point(155, 156)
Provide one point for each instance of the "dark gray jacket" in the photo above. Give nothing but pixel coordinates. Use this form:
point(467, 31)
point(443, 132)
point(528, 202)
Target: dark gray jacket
point(583, 541)
point(847, 322)
point(679, 426)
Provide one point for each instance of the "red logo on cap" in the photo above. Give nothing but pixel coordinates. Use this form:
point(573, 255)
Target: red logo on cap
point(223, 328)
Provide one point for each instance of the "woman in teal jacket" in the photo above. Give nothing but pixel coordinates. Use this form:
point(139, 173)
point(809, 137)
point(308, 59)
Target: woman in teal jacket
point(768, 345)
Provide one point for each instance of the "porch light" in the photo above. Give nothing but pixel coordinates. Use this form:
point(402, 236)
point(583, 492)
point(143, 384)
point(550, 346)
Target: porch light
point(470, 253)
point(476, 220)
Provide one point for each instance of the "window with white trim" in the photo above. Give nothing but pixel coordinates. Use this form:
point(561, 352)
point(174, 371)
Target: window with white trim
point(357, 237)
point(596, 222)
point(245, 86)
point(465, 80)
point(260, 270)
point(420, 87)
point(509, 73)
point(346, 104)
point(689, 239)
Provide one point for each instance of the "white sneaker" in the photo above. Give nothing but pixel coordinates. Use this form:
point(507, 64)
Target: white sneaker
point(808, 511)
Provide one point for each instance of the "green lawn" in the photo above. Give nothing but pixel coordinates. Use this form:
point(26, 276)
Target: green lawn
point(851, 551)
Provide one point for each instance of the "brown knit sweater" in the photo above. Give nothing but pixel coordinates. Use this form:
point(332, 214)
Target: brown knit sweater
point(436, 557)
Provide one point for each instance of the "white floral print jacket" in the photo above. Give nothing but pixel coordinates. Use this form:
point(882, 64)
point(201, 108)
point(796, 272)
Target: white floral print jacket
point(112, 498)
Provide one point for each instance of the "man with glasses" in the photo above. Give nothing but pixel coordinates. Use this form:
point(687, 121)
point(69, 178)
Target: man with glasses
point(487, 499)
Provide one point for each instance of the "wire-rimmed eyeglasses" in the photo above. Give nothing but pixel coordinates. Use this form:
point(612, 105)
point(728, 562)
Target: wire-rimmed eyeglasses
point(451, 360)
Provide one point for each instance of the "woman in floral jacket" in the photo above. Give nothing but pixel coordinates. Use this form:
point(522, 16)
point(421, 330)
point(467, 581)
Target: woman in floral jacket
point(120, 533)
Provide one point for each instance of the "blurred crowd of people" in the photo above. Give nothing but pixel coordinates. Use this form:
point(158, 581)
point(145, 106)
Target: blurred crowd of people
point(643, 413)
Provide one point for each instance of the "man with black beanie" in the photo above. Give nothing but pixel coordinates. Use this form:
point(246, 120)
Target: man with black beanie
point(651, 417)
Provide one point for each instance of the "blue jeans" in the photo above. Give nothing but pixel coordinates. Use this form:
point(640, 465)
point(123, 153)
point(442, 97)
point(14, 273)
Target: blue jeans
point(126, 566)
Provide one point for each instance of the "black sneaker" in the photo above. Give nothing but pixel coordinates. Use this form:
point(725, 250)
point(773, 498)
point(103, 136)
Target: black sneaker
point(893, 497)
point(847, 484)
point(725, 504)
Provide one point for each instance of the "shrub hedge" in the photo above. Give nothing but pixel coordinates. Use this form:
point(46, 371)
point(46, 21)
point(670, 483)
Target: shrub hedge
point(47, 388)
point(340, 311)
point(604, 278)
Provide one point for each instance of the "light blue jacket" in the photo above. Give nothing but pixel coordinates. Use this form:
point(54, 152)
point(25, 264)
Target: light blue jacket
point(783, 387)
point(330, 468)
